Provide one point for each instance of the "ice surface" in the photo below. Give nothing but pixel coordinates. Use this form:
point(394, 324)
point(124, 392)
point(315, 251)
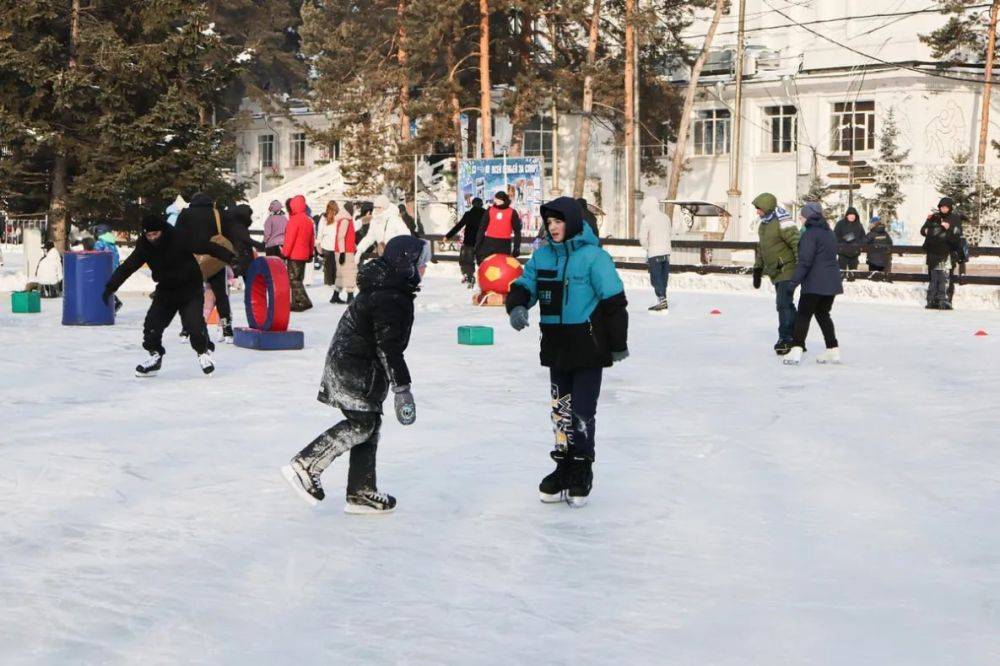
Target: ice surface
point(743, 512)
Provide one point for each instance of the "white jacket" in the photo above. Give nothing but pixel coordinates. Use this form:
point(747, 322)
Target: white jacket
point(49, 268)
point(656, 232)
point(383, 228)
point(327, 237)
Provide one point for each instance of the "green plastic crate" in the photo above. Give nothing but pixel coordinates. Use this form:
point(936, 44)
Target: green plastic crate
point(475, 335)
point(25, 302)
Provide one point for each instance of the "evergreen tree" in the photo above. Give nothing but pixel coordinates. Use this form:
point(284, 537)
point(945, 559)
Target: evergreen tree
point(818, 191)
point(958, 182)
point(963, 38)
point(891, 170)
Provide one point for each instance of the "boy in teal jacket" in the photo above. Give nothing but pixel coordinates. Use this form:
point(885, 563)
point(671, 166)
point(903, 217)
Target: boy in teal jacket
point(584, 323)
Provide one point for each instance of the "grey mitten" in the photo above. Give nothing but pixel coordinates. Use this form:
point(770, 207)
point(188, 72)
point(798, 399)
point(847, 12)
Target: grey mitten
point(619, 355)
point(519, 318)
point(406, 409)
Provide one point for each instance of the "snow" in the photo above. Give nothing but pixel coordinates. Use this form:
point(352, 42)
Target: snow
point(743, 511)
point(245, 55)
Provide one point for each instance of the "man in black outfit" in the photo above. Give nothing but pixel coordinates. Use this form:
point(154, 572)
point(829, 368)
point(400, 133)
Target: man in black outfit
point(942, 234)
point(467, 255)
point(200, 220)
point(169, 252)
point(236, 221)
point(850, 235)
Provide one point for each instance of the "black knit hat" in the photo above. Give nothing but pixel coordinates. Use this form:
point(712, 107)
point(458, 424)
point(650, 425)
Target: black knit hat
point(947, 201)
point(153, 222)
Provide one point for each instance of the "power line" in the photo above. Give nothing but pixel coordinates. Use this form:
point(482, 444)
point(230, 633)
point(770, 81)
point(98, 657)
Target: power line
point(880, 60)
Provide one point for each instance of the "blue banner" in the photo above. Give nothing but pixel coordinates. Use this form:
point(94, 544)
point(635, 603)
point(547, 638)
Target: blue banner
point(519, 177)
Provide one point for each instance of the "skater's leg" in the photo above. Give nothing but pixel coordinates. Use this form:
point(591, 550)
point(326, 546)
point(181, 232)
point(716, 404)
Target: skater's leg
point(823, 307)
point(353, 430)
point(361, 470)
point(784, 299)
point(950, 282)
point(807, 306)
point(161, 312)
point(221, 291)
point(192, 314)
point(562, 413)
point(585, 394)
point(657, 275)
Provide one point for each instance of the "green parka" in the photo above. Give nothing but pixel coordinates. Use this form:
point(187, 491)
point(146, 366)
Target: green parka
point(778, 246)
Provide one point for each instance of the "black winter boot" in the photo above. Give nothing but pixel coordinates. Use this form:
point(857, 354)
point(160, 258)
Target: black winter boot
point(336, 298)
point(553, 487)
point(581, 478)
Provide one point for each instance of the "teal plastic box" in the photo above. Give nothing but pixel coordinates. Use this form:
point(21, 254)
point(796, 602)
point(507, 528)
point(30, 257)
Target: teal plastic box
point(475, 335)
point(25, 302)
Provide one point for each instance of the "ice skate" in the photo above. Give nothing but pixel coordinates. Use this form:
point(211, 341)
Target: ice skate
point(553, 487)
point(227, 330)
point(659, 306)
point(306, 485)
point(150, 366)
point(581, 479)
point(205, 361)
point(781, 348)
point(829, 356)
point(794, 356)
point(945, 305)
point(369, 501)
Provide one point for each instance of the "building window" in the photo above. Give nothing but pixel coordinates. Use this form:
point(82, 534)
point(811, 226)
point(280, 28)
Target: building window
point(852, 127)
point(782, 128)
point(710, 132)
point(298, 149)
point(265, 150)
point(538, 141)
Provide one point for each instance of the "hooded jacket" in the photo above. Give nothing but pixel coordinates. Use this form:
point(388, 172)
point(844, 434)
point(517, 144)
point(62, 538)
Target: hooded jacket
point(366, 354)
point(470, 222)
point(655, 235)
point(300, 234)
point(939, 243)
point(850, 234)
point(778, 240)
point(198, 220)
point(384, 227)
point(817, 271)
point(236, 221)
point(274, 226)
point(879, 237)
point(49, 271)
point(583, 310)
point(107, 242)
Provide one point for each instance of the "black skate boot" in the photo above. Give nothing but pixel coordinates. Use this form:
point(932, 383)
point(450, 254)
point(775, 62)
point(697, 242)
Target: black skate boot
point(336, 298)
point(369, 501)
point(303, 482)
point(781, 347)
point(581, 478)
point(150, 366)
point(227, 330)
point(553, 487)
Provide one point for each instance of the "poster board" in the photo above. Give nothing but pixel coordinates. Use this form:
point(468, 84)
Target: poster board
point(520, 177)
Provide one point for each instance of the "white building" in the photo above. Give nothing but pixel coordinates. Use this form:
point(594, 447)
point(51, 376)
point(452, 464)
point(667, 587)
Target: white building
point(809, 101)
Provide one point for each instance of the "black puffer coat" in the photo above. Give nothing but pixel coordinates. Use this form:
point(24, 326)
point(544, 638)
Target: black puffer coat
point(366, 353)
point(849, 234)
point(939, 243)
point(236, 221)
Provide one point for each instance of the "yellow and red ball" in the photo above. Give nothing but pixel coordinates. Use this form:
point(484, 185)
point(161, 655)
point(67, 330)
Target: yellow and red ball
point(497, 272)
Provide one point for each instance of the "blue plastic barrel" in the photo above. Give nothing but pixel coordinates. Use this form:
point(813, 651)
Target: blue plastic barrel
point(84, 276)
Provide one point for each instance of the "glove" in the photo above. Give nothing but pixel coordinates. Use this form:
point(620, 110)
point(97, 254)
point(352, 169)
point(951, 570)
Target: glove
point(107, 296)
point(406, 409)
point(757, 273)
point(342, 258)
point(619, 355)
point(519, 318)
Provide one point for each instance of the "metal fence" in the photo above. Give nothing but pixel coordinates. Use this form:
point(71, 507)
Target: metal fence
point(12, 229)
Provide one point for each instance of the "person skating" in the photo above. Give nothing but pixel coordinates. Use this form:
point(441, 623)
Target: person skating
point(297, 250)
point(467, 254)
point(850, 234)
point(818, 274)
point(365, 359)
point(777, 255)
point(326, 242)
point(942, 234)
point(274, 229)
point(345, 249)
point(236, 222)
point(880, 257)
point(169, 252)
point(584, 326)
point(201, 222)
point(655, 239)
point(500, 224)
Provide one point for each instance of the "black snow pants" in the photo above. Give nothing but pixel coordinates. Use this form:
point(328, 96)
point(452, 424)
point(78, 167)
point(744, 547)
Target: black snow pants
point(329, 268)
point(467, 262)
point(359, 434)
point(190, 303)
point(819, 306)
point(574, 409)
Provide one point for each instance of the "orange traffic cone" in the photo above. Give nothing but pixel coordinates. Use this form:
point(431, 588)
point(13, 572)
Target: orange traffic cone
point(213, 317)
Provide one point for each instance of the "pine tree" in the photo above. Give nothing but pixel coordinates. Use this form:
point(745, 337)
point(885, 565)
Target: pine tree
point(891, 170)
point(963, 38)
point(958, 182)
point(818, 191)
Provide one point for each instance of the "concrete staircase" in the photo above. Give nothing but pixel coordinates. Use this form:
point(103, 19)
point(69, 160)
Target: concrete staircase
point(318, 186)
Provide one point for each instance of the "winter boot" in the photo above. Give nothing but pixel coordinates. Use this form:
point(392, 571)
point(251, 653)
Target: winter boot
point(553, 487)
point(794, 356)
point(581, 478)
point(336, 298)
point(781, 347)
point(227, 330)
point(659, 306)
point(945, 305)
point(350, 297)
point(303, 482)
point(829, 356)
point(205, 361)
point(369, 501)
point(150, 366)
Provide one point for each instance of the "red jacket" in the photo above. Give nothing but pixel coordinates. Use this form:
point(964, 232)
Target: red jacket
point(300, 235)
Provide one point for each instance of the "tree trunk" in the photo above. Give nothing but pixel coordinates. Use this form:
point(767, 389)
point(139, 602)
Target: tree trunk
point(485, 113)
point(404, 86)
point(588, 103)
point(456, 109)
point(59, 218)
point(677, 162)
point(630, 180)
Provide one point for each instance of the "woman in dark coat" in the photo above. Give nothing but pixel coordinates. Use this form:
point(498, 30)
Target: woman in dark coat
point(851, 233)
point(819, 276)
point(365, 359)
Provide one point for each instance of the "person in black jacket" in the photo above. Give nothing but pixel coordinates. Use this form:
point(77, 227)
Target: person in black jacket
point(201, 221)
point(850, 233)
point(236, 221)
point(169, 252)
point(879, 259)
point(500, 223)
point(364, 360)
point(467, 255)
point(942, 234)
